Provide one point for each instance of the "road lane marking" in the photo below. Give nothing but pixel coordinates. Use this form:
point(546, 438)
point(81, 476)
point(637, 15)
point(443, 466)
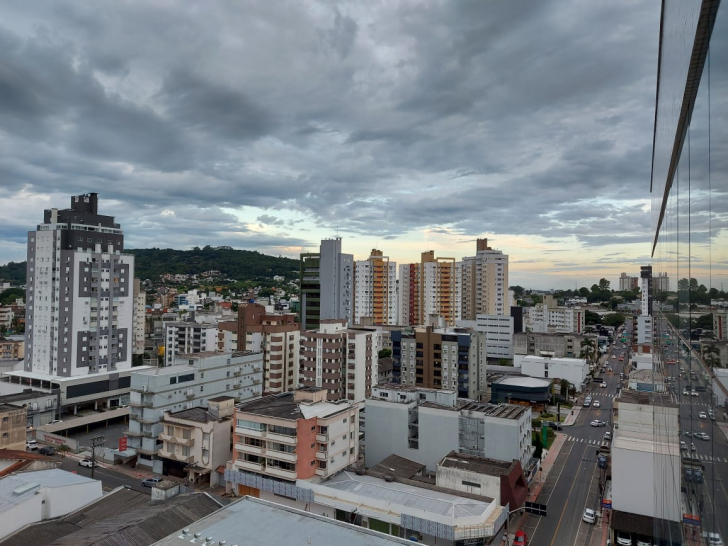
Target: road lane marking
point(568, 499)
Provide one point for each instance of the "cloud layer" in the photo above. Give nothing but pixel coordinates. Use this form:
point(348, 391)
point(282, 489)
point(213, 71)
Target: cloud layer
point(267, 124)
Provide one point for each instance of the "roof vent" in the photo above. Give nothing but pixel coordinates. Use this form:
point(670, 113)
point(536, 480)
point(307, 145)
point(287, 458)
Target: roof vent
point(389, 477)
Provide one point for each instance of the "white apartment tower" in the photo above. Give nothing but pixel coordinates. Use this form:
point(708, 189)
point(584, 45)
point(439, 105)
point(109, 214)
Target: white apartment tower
point(375, 289)
point(79, 318)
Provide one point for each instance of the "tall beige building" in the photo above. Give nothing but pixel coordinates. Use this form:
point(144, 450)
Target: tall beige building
point(375, 289)
point(427, 288)
point(483, 281)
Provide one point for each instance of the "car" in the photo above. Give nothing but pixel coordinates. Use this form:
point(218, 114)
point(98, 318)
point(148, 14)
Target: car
point(589, 516)
point(688, 433)
point(702, 435)
point(684, 446)
point(614, 357)
point(644, 541)
point(714, 539)
point(621, 359)
point(596, 404)
point(555, 426)
point(603, 385)
point(686, 392)
point(151, 482)
point(32, 445)
point(47, 450)
point(587, 403)
point(88, 463)
point(693, 393)
point(521, 539)
point(703, 415)
point(692, 447)
point(598, 423)
point(607, 435)
point(623, 539)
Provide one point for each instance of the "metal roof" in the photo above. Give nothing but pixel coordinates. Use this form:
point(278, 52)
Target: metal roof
point(16, 489)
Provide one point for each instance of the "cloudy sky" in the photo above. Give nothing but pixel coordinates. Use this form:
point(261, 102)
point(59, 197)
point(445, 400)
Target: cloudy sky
point(404, 126)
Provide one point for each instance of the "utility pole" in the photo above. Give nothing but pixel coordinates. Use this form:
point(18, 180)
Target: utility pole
point(97, 441)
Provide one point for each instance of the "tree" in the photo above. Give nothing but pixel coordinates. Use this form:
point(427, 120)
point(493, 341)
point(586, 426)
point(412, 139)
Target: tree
point(589, 350)
point(613, 319)
point(9, 296)
point(711, 356)
point(517, 291)
point(62, 450)
point(565, 389)
point(385, 353)
point(603, 285)
point(583, 291)
point(536, 442)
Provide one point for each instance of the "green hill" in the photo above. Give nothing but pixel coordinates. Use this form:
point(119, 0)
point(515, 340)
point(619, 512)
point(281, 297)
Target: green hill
point(242, 265)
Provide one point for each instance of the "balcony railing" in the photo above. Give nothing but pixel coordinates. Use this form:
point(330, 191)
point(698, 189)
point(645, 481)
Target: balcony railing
point(176, 439)
point(282, 438)
point(322, 455)
point(281, 473)
point(175, 456)
point(322, 437)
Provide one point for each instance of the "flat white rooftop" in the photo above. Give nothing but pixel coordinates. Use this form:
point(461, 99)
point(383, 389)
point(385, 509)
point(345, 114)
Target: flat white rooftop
point(91, 376)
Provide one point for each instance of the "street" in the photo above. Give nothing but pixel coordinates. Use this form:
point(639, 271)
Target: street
point(573, 484)
point(109, 478)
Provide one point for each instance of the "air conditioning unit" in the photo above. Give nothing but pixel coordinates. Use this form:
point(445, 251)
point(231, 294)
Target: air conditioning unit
point(144, 388)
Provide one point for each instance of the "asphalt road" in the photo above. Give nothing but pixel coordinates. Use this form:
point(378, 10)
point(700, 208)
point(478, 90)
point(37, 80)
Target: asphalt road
point(109, 478)
point(575, 478)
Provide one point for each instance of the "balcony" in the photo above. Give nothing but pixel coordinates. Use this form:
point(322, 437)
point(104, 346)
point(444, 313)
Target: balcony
point(145, 451)
point(247, 465)
point(282, 438)
point(141, 404)
point(322, 438)
point(190, 395)
point(250, 432)
point(322, 455)
point(133, 433)
point(247, 448)
point(282, 455)
point(321, 472)
point(281, 473)
point(175, 456)
point(237, 384)
point(176, 439)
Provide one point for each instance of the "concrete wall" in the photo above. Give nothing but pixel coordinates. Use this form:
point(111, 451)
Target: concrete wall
point(21, 515)
point(60, 501)
point(453, 478)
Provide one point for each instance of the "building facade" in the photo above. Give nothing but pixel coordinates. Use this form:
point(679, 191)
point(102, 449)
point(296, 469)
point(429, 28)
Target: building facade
point(561, 345)
point(294, 436)
point(139, 318)
point(451, 359)
point(375, 289)
point(548, 318)
point(628, 283)
point(574, 370)
point(191, 382)
point(424, 425)
point(427, 288)
point(278, 337)
point(13, 422)
point(79, 315)
point(498, 330)
point(327, 284)
point(182, 338)
point(342, 360)
point(483, 283)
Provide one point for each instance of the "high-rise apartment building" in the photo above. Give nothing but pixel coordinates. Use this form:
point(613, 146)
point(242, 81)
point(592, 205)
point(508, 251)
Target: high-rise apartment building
point(427, 288)
point(278, 337)
point(79, 318)
point(375, 289)
point(661, 283)
point(483, 283)
point(342, 360)
point(627, 283)
point(182, 338)
point(139, 317)
point(327, 284)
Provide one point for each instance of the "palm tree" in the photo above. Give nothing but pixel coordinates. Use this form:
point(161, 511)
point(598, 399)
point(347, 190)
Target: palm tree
point(565, 389)
point(711, 356)
point(588, 350)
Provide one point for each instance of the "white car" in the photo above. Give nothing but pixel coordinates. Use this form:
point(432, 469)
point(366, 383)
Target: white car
point(644, 542)
point(31, 445)
point(88, 463)
point(703, 415)
point(590, 516)
point(607, 435)
point(614, 357)
point(603, 385)
point(702, 435)
point(596, 404)
point(693, 393)
point(686, 392)
point(624, 539)
point(714, 539)
point(684, 446)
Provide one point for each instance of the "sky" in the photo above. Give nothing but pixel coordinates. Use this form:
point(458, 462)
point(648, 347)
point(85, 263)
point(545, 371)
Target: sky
point(404, 126)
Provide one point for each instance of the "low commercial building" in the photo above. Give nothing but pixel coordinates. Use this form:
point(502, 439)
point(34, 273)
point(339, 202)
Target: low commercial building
point(560, 345)
point(520, 389)
point(30, 497)
point(13, 421)
point(500, 480)
point(192, 382)
point(292, 436)
point(42, 407)
point(424, 425)
point(266, 523)
point(574, 370)
point(197, 441)
point(646, 461)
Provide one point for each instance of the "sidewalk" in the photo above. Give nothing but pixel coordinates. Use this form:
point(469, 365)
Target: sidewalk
point(547, 464)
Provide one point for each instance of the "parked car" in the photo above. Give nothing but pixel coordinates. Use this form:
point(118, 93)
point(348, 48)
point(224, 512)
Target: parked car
point(714, 539)
point(598, 423)
point(686, 392)
point(688, 433)
point(607, 435)
point(644, 541)
point(693, 393)
point(521, 539)
point(31, 445)
point(47, 450)
point(624, 539)
point(88, 463)
point(684, 446)
point(151, 482)
point(589, 515)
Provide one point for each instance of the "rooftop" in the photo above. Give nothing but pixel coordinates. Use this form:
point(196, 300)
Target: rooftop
point(523, 381)
point(18, 488)
point(646, 398)
point(410, 388)
point(399, 496)
point(266, 523)
point(399, 466)
point(223, 398)
point(283, 406)
point(166, 370)
point(19, 396)
point(57, 379)
point(481, 465)
point(199, 415)
point(504, 411)
point(122, 517)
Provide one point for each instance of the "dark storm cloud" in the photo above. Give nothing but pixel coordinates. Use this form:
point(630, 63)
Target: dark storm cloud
point(523, 118)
